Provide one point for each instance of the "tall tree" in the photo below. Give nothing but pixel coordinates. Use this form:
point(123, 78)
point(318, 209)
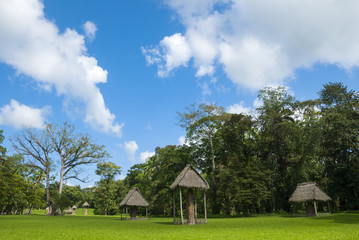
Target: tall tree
point(277, 140)
point(74, 150)
point(201, 123)
point(106, 191)
point(340, 117)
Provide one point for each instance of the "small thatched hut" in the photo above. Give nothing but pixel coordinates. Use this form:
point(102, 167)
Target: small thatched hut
point(86, 205)
point(191, 179)
point(134, 199)
point(310, 193)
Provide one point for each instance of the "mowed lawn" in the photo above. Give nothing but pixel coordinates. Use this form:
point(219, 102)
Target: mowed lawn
point(336, 226)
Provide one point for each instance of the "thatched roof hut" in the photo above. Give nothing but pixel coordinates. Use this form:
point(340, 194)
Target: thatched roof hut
point(310, 193)
point(190, 178)
point(74, 207)
point(134, 199)
point(86, 205)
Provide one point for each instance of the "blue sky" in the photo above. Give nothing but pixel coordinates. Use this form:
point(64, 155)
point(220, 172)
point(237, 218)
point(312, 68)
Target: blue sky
point(120, 70)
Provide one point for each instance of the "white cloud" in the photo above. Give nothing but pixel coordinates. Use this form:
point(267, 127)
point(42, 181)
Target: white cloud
point(173, 52)
point(257, 42)
point(130, 148)
point(181, 140)
point(121, 176)
point(90, 29)
point(145, 155)
point(33, 45)
point(239, 108)
point(257, 103)
point(67, 183)
point(18, 115)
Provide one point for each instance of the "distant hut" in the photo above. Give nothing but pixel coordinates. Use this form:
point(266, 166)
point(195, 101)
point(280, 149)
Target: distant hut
point(86, 205)
point(310, 193)
point(189, 178)
point(74, 208)
point(134, 199)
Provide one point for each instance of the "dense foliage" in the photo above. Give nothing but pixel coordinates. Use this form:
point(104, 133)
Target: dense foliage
point(252, 162)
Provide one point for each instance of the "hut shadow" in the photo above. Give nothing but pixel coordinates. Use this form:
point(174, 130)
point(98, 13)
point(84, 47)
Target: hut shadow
point(165, 223)
point(348, 218)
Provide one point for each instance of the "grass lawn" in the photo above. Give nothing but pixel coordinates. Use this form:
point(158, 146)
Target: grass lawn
point(336, 226)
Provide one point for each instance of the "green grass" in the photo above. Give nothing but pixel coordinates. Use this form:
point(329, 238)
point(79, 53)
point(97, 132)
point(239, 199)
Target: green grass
point(336, 226)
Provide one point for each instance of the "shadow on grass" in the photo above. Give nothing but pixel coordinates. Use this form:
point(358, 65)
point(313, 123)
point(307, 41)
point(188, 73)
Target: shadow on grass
point(346, 218)
point(165, 223)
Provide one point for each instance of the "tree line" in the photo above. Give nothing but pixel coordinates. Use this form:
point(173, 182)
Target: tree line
point(252, 161)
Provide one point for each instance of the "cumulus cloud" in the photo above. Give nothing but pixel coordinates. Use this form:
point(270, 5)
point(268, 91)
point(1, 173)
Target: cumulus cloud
point(181, 140)
point(90, 30)
point(145, 155)
point(259, 43)
point(67, 183)
point(121, 176)
point(33, 45)
point(130, 148)
point(18, 115)
point(239, 108)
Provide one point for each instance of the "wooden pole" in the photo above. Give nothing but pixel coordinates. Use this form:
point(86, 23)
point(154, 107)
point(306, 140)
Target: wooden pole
point(205, 209)
point(174, 207)
point(315, 208)
point(126, 212)
point(146, 213)
point(195, 211)
point(329, 207)
point(181, 204)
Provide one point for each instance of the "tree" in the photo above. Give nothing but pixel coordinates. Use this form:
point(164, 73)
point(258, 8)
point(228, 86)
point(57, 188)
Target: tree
point(277, 141)
point(106, 191)
point(74, 150)
point(201, 123)
point(242, 176)
point(340, 119)
point(36, 146)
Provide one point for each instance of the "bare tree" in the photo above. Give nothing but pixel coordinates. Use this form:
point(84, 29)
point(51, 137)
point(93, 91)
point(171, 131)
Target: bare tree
point(35, 145)
point(60, 146)
point(74, 150)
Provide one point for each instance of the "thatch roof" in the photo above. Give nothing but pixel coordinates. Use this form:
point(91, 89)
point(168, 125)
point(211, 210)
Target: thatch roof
point(86, 204)
point(308, 191)
point(134, 198)
point(74, 207)
point(190, 178)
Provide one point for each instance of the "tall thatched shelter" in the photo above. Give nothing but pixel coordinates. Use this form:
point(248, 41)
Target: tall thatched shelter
point(134, 199)
point(86, 205)
point(310, 193)
point(191, 179)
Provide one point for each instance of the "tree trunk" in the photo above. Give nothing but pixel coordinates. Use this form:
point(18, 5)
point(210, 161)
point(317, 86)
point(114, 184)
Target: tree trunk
point(133, 213)
point(61, 177)
point(190, 207)
point(49, 204)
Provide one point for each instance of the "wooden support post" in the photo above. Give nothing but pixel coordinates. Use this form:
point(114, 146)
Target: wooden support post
point(195, 211)
point(146, 213)
point(329, 207)
point(315, 208)
point(126, 212)
point(174, 207)
point(205, 208)
point(181, 204)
